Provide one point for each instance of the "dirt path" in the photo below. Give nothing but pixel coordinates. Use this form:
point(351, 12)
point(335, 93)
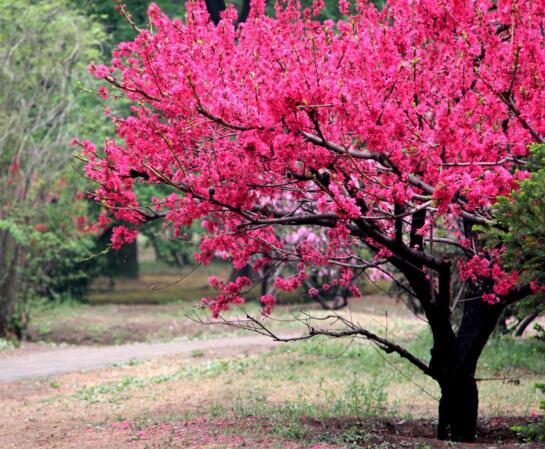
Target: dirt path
point(69, 359)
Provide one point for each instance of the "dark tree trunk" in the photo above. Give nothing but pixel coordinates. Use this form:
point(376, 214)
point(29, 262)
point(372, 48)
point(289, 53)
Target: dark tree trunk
point(265, 280)
point(121, 263)
point(215, 7)
point(129, 259)
point(10, 252)
point(454, 362)
point(245, 12)
point(525, 323)
point(458, 409)
point(247, 271)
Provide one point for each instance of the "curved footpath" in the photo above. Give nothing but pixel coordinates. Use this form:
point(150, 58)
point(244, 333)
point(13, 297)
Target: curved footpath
point(69, 359)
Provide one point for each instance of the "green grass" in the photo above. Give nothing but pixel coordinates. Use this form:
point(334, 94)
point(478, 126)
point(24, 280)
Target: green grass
point(506, 355)
point(111, 391)
point(108, 391)
point(7, 344)
point(334, 378)
point(501, 355)
point(348, 356)
point(288, 418)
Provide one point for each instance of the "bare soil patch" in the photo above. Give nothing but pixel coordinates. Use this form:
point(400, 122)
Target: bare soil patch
point(495, 431)
point(116, 324)
point(259, 433)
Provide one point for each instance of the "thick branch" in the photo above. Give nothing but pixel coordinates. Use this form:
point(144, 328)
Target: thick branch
point(412, 179)
point(215, 8)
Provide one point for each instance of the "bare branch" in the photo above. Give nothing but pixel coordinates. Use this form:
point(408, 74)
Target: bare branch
point(351, 330)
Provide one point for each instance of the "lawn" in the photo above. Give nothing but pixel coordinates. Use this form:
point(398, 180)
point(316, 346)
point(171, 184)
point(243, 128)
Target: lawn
point(319, 393)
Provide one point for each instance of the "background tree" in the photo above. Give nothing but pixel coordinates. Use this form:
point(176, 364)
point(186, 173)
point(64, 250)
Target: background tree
point(115, 25)
point(43, 49)
point(395, 131)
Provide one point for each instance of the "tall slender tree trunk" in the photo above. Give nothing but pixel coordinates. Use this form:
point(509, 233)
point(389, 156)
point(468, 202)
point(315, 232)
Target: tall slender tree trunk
point(129, 260)
point(523, 325)
point(10, 253)
point(122, 262)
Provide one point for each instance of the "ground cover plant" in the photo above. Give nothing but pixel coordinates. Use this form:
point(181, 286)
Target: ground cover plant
point(393, 133)
point(323, 392)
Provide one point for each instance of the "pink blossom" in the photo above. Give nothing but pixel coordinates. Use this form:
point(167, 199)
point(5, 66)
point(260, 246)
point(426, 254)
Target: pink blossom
point(103, 92)
point(121, 425)
point(268, 302)
point(142, 434)
point(122, 235)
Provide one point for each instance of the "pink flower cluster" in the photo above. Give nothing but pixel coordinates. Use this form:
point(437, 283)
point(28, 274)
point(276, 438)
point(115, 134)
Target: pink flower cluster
point(230, 293)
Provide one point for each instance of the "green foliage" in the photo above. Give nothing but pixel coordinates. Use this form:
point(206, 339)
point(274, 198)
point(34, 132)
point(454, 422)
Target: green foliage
point(54, 245)
point(540, 333)
point(521, 220)
point(521, 230)
point(534, 431)
point(44, 49)
point(49, 45)
point(6, 344)
point(117, 27)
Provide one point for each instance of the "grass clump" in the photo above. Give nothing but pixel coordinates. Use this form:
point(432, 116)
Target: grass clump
point(289, 418)
point(112, 391)
point(505, 353)
point(6, 344)
point(108, 391)
point(535, 431)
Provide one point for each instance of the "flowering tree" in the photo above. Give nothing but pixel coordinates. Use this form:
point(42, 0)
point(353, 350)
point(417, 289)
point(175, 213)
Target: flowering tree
point(393, 130)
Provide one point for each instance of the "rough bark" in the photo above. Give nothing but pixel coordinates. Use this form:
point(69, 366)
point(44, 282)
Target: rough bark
point(458, 408)
point(454, 363)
